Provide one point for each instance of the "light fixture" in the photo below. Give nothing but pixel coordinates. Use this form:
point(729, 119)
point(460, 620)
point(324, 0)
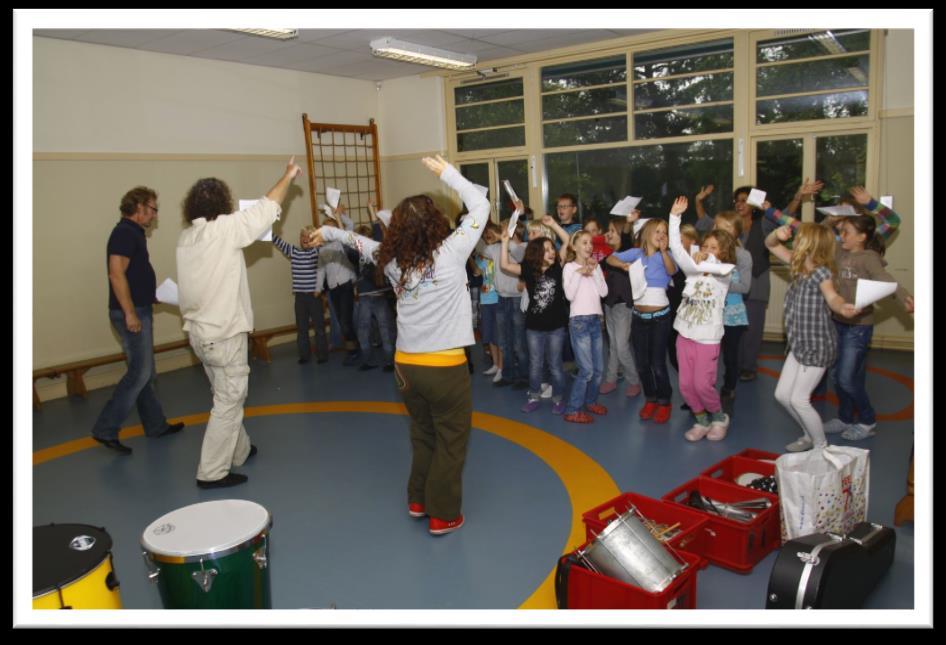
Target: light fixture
point(278, 34)
point(411, 53)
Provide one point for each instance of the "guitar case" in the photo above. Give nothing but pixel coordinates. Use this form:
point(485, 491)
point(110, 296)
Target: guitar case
point(828, 571)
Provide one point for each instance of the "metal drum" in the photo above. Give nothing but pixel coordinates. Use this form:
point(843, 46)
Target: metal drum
point(212, 555)
point(627, 551)
point(72, 568)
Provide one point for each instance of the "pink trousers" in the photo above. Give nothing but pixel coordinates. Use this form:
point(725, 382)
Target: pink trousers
point(698, 374)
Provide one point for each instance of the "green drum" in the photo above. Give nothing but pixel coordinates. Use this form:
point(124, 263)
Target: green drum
point(212, 555)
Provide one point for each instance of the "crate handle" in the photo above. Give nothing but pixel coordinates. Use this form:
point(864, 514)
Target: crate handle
point(717, 473)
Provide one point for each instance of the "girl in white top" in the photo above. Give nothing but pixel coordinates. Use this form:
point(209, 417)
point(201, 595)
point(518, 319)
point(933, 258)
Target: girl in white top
point(699, 322)
point(584, 288)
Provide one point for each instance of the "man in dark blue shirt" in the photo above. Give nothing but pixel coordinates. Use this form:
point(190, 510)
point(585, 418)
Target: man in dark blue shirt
point(131, 294)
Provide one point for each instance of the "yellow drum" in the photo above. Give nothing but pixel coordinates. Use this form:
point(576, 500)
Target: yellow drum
point(72, 568)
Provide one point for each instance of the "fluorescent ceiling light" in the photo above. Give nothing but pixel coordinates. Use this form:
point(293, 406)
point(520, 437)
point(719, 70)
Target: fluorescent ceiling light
point(279, 34)
point(421, 54)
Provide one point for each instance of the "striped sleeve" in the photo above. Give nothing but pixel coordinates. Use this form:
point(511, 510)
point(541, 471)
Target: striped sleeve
point(889, 220)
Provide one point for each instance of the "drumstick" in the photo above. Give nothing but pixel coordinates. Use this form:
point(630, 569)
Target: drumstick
point(669, 528)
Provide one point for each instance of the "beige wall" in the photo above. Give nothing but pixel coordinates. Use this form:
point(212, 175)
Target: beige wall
point(898, 55)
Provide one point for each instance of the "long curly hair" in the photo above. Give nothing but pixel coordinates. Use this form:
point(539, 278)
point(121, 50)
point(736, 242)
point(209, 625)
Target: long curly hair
point(534, 257)
point(207, 198)
point(812, 241)
point(417, 229)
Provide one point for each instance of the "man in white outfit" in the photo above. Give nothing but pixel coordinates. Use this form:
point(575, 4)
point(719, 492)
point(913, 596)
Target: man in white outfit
point(215, 305)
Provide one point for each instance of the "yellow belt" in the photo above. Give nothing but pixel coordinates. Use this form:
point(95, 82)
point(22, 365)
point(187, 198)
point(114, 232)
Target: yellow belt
point(445, 358)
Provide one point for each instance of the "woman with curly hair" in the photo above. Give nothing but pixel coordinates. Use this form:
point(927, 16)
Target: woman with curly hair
point(426, 264)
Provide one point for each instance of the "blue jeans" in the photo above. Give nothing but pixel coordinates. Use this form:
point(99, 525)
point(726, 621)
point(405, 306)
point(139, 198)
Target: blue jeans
point(136, 387)
point(511, 338)
point(545, 347)
point(376, 307)
point(851, 373)
point(649, 338)
point(585, 332)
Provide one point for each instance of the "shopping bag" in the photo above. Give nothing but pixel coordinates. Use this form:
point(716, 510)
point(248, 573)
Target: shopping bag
point(822, 490)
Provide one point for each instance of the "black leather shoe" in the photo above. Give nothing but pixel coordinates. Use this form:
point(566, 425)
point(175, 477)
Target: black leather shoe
point(172, 429)
point(114, 444)
point(253, 451)
point(232, 479)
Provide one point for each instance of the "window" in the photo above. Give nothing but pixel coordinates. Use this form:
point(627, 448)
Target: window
point(585, 102)
point(840, 162)
point(485, 112)
point(684, 91)
point(823, 75)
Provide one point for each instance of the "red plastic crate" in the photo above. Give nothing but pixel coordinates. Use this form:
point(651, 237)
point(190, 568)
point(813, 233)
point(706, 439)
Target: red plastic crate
point(758, 455)
point(729, 469)
point(738, 546)
point(590, 590)
point(692, 537)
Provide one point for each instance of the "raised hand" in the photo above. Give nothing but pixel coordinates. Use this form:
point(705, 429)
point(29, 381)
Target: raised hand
point(705, 192)
point(519, 206)
point(700, 256)
point(783, 233)
point(292, 168)
point(860, 195)
point(315, 238)
point(810, 187)
point(679, 206)
point(436, 164)
point(548, 220)
point(633, 216)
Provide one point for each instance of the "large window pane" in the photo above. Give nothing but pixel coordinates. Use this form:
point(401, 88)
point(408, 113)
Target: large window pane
point(779, 169)
point(823, 43)
point(683, 91)
point(834, 73)
point(585, 103)
point(517, 172)
point(675, 123)
point(487, 91)
point(840, 162)
point(584, 73)
point(658, 173)
point(484, 139)
point(573, 133)
point(683, 60)
point(490, 114)
point(804, 108)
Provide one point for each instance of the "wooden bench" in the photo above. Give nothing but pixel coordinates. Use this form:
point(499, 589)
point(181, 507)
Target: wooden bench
point(75, 372)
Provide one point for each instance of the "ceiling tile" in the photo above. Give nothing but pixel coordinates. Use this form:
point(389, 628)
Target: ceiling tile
point(133, 38)
point(310, 35)
point(295, 53)
point(244, 48)
point(188, 41)
point(523, 36)
point(68, 34)
point(477, 33)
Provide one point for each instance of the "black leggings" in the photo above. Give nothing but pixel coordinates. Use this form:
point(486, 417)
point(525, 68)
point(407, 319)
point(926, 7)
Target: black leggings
point(732, 337)
point(343, 299)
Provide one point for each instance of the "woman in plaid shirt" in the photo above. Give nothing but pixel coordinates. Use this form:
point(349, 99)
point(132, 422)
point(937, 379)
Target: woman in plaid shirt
point(812, 337)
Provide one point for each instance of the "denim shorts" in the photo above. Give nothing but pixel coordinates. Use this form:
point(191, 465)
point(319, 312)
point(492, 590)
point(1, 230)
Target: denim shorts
point(488, 323)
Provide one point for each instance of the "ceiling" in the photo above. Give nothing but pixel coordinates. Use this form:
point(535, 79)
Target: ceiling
point(337, 52)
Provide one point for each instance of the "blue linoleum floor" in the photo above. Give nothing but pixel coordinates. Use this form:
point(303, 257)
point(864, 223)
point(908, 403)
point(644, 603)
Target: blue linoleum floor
point(335, 485)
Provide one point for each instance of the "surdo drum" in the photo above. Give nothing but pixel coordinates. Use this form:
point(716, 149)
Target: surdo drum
point(72, 568)
point(212, 555)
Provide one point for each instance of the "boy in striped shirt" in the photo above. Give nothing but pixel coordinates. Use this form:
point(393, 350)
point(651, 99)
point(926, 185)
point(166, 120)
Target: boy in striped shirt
point(306, 285)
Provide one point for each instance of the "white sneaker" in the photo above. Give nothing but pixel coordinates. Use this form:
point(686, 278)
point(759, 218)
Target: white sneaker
point(718, 427)
point(697, 432)
point(801, 445)
point(858, 431)
point(835, 426)
point(546, 391)
point(498, 377)
point(491, 371)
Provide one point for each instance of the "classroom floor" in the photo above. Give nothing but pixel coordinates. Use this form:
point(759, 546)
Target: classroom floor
point(333, 475)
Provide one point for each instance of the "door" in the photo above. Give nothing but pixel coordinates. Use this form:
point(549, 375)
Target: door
point(491, 173)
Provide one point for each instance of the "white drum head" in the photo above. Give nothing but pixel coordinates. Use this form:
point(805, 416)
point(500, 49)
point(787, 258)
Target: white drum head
point(205, 528)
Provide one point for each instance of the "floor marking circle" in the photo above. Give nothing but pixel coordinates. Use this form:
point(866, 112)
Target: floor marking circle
point(585, 481)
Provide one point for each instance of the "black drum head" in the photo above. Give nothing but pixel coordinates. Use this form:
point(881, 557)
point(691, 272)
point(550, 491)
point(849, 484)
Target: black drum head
point(63, 553)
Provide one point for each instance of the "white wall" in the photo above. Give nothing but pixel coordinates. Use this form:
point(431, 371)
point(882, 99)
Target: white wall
point(412, 116)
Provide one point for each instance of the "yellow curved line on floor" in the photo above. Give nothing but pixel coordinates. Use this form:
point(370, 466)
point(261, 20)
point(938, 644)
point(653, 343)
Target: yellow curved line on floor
point(586, 482)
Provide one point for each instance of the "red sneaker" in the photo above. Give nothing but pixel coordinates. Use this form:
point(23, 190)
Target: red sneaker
point(416, 510)
point(579, 417)
point(595, 408)
point(662, 415)
point(648, 410)
point(442, 527)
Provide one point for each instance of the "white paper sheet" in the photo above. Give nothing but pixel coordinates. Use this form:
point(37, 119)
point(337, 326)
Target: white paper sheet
point(167, 292)
point(844, 210)
point(870, 291)
point(267, 235)
point(756, 197)
point(887, 200)
point(512, 193)
point(624, 207)
point(385, 217)
point(513, 220)
point(329, 212)
point(332, 195)
point(640, 223)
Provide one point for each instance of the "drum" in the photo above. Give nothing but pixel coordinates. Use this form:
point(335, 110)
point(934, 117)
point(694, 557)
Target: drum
point(72, 568)
point(627, 551)
point(212, 555)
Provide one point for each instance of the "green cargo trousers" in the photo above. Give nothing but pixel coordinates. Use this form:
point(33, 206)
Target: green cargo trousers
point(440, 402)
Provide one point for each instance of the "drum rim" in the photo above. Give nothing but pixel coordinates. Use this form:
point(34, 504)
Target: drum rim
point(168, 554)
point(52, 587)
point(170, 558)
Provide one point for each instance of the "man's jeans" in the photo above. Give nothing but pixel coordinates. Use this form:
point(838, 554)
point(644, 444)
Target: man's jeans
point(851, 373)
point(511, 333)
point(136, 389)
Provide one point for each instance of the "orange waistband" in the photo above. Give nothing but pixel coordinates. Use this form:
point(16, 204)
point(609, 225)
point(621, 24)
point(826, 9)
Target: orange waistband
point(445, 358)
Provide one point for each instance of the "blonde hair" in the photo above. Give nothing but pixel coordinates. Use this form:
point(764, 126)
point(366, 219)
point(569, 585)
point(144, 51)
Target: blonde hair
point(571, 255)
point(690, 231)
point(727, 245)
point(538, 229)
point(812, 242)
point(734, 219)
point(644, 234)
